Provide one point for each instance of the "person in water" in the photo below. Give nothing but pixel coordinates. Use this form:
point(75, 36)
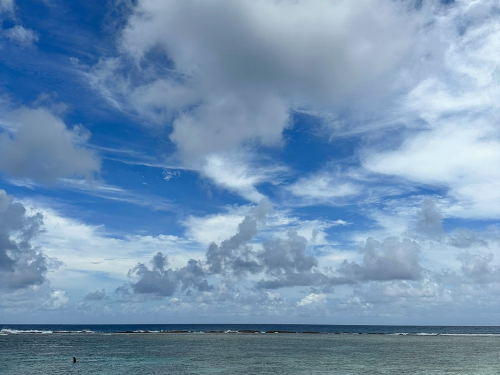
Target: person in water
point(74, 359)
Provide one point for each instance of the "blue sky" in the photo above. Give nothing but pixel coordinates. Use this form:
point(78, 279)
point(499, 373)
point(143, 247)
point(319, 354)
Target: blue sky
point(253, 161)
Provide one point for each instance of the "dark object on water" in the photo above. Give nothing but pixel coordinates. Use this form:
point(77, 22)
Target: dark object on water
point(74, 359)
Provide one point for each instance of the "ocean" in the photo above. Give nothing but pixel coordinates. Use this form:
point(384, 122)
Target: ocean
point(248, 349)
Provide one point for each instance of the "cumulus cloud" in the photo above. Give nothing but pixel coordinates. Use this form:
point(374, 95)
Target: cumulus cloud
point(284, 262)
point(233, 72)
point(57, 300)
point(390, 260)
point(21, 264)
point(312, 299)
point(157, 280)
point(287, 264)
point(213, 228)
point(30, 299)
point(98, 295)
point(276, 263)
point(237, 274)
point(402, 296)
point(232, 257)
point(223, 123)
point(39, 145)
point(98, 258)
point(429, 222)
point(479, 268)
point(224, 299)
point(463, 238)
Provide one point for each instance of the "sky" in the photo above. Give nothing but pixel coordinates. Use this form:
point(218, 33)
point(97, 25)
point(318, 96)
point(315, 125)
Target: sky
point(250, 161)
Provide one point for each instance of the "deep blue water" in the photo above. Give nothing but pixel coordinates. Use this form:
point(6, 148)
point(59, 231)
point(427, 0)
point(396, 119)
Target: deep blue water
point(295, 328)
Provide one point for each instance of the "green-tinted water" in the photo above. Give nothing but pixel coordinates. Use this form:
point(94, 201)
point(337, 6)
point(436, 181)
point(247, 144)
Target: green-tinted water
point(248, 354)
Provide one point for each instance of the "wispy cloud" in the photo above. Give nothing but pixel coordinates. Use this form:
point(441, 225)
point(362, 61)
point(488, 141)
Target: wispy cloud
point(242, 173)
point(103, 190)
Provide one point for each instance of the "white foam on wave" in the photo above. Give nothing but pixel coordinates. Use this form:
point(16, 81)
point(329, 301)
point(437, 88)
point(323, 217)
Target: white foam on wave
point(8, 331)
point(446, 334)
point(414, 334)
point(145, 331)
point(472, 334)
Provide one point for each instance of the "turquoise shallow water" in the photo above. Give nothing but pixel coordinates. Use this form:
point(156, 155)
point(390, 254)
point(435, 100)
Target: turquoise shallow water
point(242, 353)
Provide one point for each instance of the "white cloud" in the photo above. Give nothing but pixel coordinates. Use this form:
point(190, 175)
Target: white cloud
point(94, 259)
point(217, 227)
point(459, 146)
point(40, 146)
point(16, 34)
point(259, 42)
point(324, 188)
point(425, 293)
point(6, 6)
point(222, 123)
point(231, 74)
point(19, 34)
point(315, 230)
point(103, 190)
point(28, 300)
point(235, 69)
point(312, 300)
point(212, 228)
point(333, 186)
point(480, 268)
point(237, 172)
point(460, 156)
point(58, 300)
point(22, 264)
point(390, 260)
point(170, 174)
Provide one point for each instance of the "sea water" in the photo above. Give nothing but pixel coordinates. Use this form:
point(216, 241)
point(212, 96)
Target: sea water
point(249, 349)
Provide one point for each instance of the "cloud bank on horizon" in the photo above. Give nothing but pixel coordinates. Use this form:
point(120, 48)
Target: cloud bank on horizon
point(250, 161)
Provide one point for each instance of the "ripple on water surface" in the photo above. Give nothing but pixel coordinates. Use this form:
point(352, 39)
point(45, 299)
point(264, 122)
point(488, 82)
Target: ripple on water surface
point(248, 353)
